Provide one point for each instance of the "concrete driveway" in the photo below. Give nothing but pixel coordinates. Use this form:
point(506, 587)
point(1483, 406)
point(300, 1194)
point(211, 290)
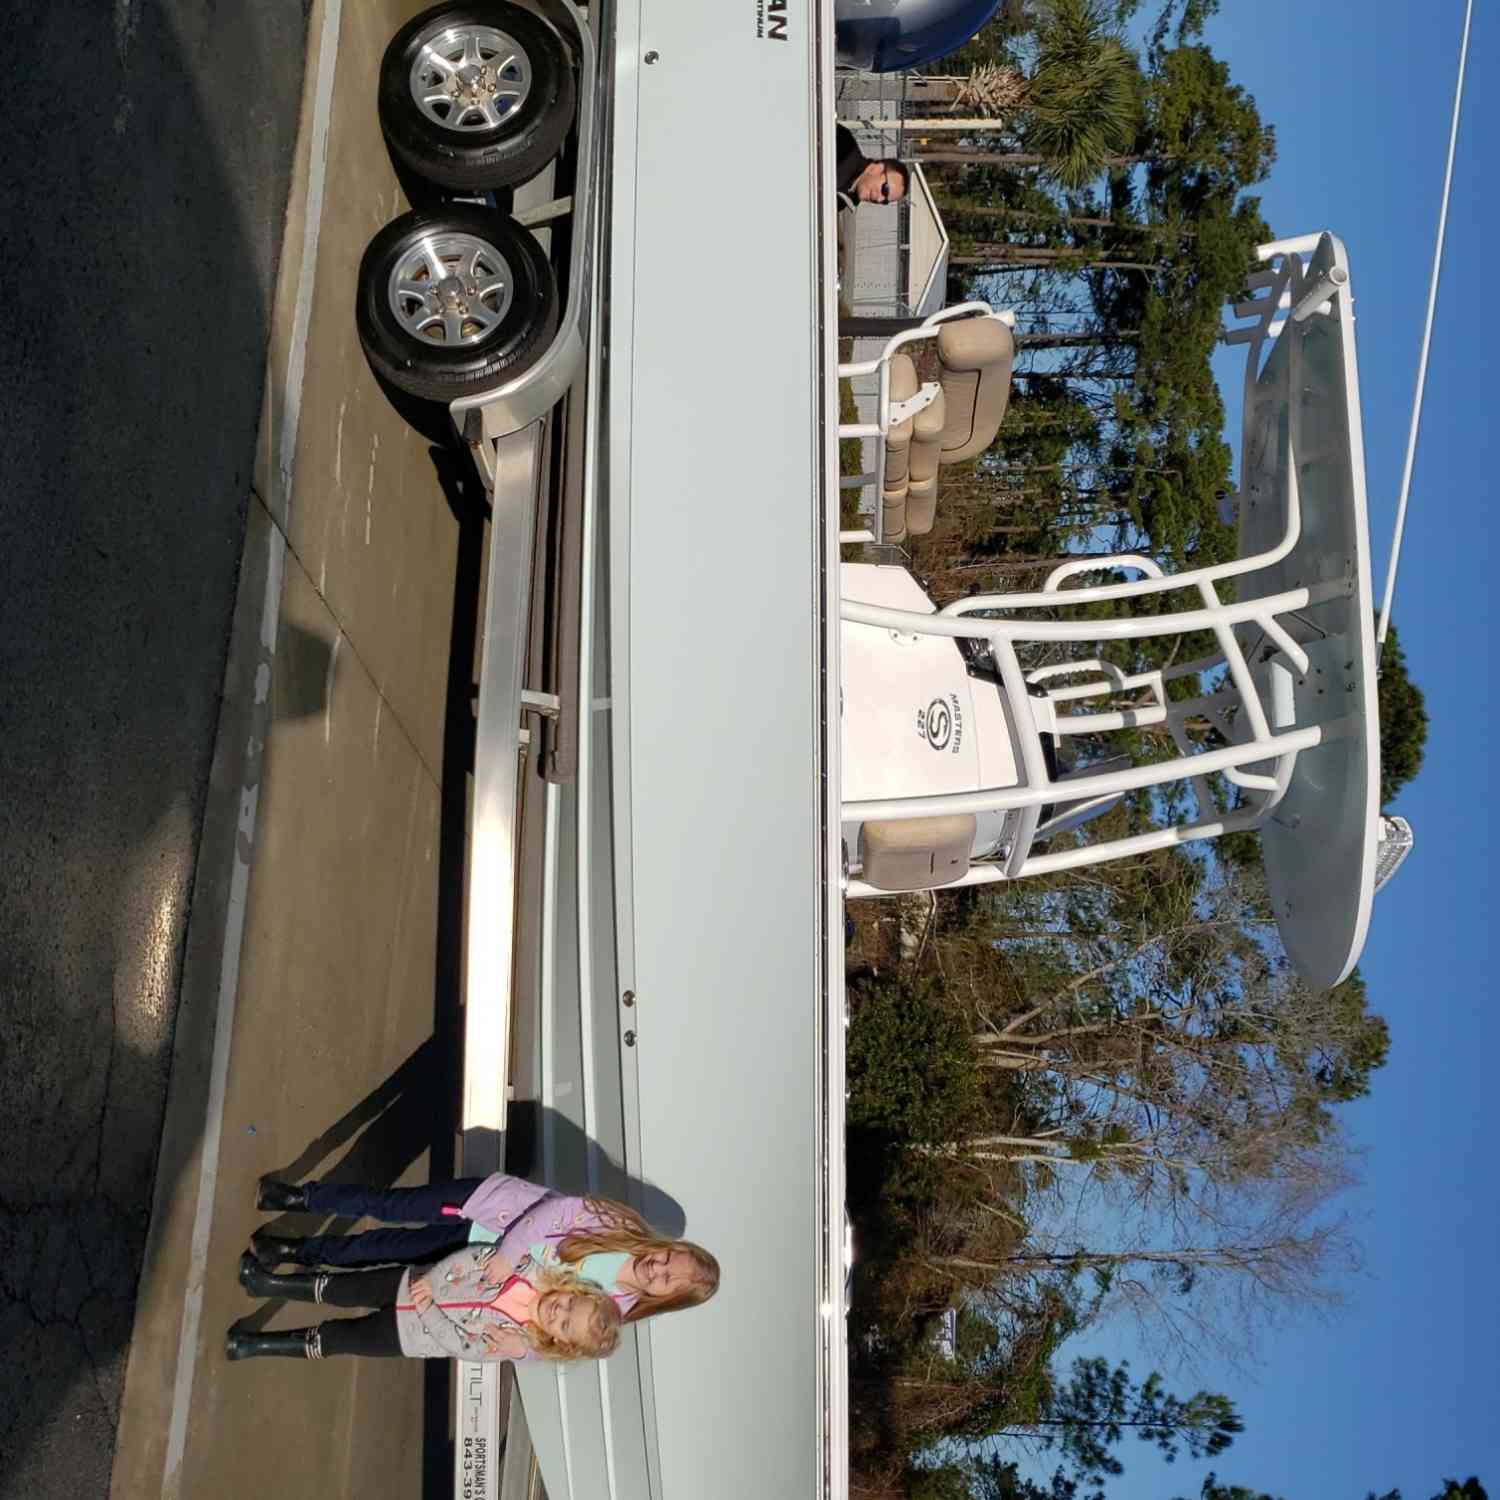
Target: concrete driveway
point(238, 621)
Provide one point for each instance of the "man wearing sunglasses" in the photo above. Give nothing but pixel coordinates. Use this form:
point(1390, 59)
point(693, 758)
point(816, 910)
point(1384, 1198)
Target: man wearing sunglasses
point(862, 180)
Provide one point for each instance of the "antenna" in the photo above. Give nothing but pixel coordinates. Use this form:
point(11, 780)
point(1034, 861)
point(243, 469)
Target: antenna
point(1416, 410)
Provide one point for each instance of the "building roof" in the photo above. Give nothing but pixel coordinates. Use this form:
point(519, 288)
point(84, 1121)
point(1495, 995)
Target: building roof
point(927, 258)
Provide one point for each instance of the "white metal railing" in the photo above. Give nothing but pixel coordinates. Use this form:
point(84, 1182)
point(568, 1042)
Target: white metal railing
point(1155, 580)
point(1087, 854)
point(1112, 681)
point(1282, 292)
point(1137, 778)
point(1258, 741)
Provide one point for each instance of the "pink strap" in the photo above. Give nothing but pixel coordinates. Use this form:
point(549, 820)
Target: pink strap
point(451, 1211)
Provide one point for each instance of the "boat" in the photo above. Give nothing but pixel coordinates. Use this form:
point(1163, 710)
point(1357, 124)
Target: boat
point(705, 722)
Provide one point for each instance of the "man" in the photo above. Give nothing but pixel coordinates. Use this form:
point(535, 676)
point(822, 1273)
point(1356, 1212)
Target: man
point(861, 180)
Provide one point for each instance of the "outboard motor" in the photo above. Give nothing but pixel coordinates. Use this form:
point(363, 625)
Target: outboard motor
point(884, 36)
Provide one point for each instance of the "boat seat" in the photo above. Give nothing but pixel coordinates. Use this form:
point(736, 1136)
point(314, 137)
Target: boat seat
point(927, 439)
point(894, 479)
point(893, 513)
point(915, 854)
point(913, 451)
point(977, 355)
point(903, 386)
point(921, 505)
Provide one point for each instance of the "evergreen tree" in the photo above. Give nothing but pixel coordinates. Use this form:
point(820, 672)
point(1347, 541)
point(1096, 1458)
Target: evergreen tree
point(1101, 1404)
point(1213, 1490)
point(1403, 721)
point(1470, 1489)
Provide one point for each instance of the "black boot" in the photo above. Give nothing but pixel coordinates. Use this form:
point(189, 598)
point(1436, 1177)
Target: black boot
point(276, 1197)
point(296, 1343)
point(260, 1282)
point(272, 1250)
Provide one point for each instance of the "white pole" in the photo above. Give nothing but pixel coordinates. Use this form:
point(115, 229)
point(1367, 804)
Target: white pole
point(1416, 410)
point(941, 122)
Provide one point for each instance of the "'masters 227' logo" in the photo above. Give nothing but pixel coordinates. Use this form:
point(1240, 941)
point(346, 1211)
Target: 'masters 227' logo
point(941, 723)
point(770, 20)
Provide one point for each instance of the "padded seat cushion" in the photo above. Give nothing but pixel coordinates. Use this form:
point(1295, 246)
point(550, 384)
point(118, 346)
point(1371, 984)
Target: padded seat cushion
point(921, 505)
point(915, 854)
point(898, 438)
point(927, 438)
point(977, 355)
point(893, 513)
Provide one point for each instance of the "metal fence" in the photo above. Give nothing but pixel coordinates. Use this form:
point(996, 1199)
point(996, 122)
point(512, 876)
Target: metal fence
point(879, 262)
point(876, 265)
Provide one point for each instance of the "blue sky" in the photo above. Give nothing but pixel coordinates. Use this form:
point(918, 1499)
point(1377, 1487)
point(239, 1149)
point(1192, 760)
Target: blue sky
point(1402, 1387)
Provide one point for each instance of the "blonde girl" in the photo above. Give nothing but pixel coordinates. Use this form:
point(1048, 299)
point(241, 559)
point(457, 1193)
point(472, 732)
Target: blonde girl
point(470, 1306)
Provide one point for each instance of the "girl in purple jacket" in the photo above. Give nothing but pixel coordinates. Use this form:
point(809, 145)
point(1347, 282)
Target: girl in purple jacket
point(601, 1241)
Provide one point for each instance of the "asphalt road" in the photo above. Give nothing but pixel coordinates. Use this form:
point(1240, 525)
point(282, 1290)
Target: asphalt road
point(145, 150)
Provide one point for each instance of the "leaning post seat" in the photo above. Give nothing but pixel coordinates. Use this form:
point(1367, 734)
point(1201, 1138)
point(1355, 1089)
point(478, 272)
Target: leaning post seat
point(921, 505)
point(977, 356)
point(898, 451)
point(921, 426)
point(915, 854)
point(926, 454)
point(893, 514)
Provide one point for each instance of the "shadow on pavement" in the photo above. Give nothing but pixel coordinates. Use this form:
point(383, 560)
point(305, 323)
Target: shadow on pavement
point(393, 1126)
point(415, 1111)
point(143, 222)
point(394, 1140)
point(389, 1132)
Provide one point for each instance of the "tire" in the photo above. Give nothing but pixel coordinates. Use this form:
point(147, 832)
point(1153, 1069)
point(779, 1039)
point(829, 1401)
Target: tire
point(512, 120)
point(445, 337)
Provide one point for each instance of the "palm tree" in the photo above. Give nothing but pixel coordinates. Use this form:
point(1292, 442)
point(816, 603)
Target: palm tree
point(1082, 102)
point(1074, 113)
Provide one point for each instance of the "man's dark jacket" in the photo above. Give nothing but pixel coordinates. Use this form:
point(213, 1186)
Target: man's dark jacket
point(849, 162)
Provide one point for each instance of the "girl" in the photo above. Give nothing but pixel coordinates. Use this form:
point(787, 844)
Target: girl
point(601, 1241)
point(464, 1307)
